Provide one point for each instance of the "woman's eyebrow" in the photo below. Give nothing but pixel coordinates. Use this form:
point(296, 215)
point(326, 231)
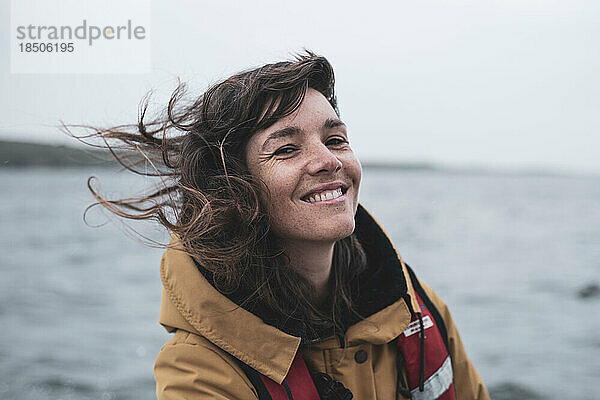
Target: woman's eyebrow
point(333, 123)
point(294, 130)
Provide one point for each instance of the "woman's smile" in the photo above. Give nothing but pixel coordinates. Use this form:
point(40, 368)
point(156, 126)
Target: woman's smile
point(327, 197)
point(327, 193)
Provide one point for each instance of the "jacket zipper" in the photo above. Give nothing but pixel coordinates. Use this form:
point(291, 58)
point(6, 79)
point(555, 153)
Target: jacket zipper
point(342, 340)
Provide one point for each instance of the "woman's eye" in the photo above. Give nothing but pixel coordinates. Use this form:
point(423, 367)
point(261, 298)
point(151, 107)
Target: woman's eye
point(284, 150)
point(336, 141)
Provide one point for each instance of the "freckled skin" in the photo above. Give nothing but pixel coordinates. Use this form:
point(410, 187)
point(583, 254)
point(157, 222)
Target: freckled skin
point(308, 159)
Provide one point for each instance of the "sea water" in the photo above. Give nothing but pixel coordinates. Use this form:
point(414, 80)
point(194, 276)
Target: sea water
point(515, 257)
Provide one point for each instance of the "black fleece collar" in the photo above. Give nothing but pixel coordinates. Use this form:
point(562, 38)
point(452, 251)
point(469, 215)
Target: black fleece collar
point(383, 279)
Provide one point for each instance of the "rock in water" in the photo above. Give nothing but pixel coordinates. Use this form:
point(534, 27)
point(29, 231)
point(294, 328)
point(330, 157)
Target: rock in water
point(589, 291)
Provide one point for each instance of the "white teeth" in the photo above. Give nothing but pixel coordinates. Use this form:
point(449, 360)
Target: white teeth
point(328, 195)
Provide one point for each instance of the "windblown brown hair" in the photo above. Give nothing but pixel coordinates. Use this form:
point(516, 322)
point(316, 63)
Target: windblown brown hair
point(212, 203)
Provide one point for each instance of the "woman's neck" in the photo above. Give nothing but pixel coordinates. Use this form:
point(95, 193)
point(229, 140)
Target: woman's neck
point(313, 261)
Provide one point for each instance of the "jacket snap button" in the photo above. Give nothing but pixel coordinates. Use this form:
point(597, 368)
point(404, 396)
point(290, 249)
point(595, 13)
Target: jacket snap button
point(360, 356)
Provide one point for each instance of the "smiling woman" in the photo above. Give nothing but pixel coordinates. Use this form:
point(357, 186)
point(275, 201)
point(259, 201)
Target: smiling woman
point(277, 283)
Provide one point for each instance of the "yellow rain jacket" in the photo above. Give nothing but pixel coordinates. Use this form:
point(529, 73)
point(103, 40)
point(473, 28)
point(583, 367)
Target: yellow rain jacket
point(210, 330)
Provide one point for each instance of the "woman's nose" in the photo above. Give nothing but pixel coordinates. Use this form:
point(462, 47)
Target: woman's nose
point(322, 159)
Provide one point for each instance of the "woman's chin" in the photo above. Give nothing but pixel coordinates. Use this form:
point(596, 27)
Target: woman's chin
point(315, 228)
point(331, 231)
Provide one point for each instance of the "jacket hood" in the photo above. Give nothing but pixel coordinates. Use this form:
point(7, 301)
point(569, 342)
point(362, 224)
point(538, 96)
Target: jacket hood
point(191, 303)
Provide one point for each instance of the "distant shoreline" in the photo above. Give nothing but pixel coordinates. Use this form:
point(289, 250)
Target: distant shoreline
point(14, 154)
point(27, 154)
point(23, 154)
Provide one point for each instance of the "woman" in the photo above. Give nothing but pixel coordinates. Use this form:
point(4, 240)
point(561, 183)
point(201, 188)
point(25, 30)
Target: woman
point(277, 283)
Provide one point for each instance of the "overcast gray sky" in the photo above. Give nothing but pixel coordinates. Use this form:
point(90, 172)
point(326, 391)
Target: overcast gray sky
point(497, 83)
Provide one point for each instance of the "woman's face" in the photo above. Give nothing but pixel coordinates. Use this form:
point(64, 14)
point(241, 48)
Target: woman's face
point(311, 172)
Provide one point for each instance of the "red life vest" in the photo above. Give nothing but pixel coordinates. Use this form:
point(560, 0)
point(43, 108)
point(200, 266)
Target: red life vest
point(422, 348)
point(430, 354)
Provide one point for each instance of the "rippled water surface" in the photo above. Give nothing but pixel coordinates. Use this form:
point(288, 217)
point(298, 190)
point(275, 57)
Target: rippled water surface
point(517, 258)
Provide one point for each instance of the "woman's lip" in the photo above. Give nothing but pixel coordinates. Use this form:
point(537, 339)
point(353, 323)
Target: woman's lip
point(327, 187)
point(329, 201)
